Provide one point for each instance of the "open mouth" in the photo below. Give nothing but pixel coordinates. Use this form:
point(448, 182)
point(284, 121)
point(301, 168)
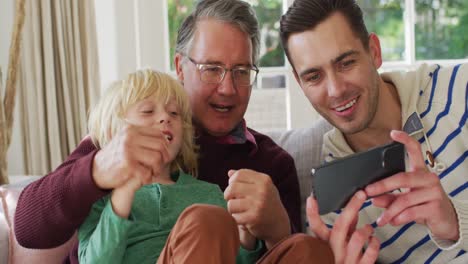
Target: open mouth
point(168, 136)
point(221, 108)
point(346, 106)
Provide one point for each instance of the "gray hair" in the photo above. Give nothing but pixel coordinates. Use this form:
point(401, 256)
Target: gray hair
point(235, 12)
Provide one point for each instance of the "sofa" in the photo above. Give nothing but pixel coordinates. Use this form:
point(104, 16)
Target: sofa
point(303, 144)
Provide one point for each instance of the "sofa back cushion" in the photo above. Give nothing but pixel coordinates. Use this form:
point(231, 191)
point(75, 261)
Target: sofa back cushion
point(16, 253)
point(305, 146)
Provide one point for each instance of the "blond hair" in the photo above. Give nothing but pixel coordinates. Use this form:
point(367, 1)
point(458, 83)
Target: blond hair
point(107, 117)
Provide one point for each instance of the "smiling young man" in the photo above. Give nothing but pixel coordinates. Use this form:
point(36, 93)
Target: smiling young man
point(335, 61)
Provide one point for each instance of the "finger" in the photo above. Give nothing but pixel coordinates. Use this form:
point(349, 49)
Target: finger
point(316, 225)
point(357, 242)
point(405, 201)
point(162, 147)
point(343, 223)
point(384, 200)
point(249, 176)
point(352, 226)
point(416, 179)
point(148, 158)
point(148, 131)
point(141, 136)
point(133, 170)
point(142, 173)
point(231, 172)
point(238, 190)
point(236, 206)
point(156, 143)
point(372, 251)
point(243, 218)
point(412, 147)
point(418, 214)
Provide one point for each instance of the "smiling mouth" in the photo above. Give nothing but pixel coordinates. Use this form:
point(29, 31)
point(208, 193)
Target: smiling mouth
point(221, 108)
point(346, 106)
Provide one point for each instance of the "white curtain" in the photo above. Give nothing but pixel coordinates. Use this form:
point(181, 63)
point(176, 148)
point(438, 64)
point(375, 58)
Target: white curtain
point(59, 79)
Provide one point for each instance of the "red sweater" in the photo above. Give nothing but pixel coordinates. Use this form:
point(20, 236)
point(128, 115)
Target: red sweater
point(62, 200)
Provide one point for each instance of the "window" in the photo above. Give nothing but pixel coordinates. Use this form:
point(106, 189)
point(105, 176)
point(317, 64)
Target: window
point(441, 29)
point(136, 34)
point(414, 31)
point(385, 18)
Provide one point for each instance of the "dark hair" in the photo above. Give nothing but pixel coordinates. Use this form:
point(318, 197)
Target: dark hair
point(235, 12)
point(307, 14)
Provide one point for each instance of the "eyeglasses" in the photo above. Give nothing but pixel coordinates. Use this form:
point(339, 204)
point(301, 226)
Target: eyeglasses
point(212, 73)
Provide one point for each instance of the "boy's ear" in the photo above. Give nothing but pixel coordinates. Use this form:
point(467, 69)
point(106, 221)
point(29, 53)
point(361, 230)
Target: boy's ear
point(178, 66)
point(375, 50)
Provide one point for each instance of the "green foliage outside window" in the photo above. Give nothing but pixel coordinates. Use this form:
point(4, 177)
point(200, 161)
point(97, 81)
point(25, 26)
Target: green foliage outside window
point(385, 18)
point(441, 29)
point(177, 11)
point(268, 14)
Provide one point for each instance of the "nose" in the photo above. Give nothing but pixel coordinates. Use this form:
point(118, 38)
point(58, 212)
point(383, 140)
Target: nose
point(227, 86)
point(335, 86)
point(164, 118)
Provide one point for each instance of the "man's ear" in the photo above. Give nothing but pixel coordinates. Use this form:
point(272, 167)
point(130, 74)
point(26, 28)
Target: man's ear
point(375, 50)
point(178, 66)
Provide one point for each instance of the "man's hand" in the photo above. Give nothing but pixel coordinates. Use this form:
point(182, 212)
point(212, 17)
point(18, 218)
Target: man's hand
point(132, 152)
point(254, 202)
point(346, 242)
point(423, 201)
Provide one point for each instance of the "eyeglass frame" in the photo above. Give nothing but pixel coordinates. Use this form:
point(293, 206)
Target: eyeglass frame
point(200, 65)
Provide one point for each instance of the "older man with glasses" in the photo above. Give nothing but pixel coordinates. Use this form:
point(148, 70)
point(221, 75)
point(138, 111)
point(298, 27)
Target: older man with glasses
point(217, 48)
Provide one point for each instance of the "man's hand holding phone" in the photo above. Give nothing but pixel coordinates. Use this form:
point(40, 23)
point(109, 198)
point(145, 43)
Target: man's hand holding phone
point(424, 202)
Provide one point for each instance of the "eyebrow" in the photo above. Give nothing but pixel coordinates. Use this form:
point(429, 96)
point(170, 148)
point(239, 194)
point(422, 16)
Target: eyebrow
point(344, 55)
point(220, 63)
point(333, 61)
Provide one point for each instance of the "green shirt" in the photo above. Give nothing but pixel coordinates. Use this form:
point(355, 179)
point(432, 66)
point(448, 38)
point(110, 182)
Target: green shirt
point(105, 237)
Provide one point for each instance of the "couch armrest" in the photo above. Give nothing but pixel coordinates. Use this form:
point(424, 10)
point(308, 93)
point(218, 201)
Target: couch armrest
point(8, 195)
point(4, 233)
point(10, 251)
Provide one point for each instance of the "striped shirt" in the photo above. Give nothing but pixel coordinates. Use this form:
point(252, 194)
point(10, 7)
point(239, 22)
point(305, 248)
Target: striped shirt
point(437, 99)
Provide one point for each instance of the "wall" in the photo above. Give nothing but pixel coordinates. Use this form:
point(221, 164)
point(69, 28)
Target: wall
point(131, 36)
point(300, 111)
point(15, 151)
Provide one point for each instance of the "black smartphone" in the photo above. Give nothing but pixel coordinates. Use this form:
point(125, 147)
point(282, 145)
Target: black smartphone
point(334, 183)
